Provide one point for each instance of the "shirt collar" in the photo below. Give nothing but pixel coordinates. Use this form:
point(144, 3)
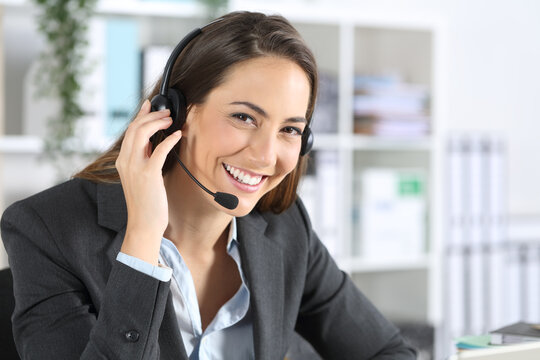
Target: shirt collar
point(232, 240)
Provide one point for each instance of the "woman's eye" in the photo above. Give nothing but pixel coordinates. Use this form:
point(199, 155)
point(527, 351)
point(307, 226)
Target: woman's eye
point(244, 117)
point(291, 130)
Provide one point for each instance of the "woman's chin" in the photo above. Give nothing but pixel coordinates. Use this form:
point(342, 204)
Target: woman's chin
point(243, 208)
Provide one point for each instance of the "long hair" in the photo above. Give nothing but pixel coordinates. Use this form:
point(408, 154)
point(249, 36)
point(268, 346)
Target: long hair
point(203, 66)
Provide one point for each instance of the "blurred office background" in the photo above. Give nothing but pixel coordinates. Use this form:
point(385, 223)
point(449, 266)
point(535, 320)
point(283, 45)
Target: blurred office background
point(424, 179)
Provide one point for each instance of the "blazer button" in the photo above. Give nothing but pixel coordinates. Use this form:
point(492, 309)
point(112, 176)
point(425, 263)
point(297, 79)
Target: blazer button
point(132, 335)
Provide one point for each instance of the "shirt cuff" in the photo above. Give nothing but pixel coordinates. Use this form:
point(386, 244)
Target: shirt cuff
point(160, 272)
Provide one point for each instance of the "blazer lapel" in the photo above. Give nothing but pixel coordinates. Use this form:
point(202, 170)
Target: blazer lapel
point(112, 214)
point(170, 341)
point(263, 268)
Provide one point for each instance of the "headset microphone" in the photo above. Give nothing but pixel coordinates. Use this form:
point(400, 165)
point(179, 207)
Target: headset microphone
point(226, 200)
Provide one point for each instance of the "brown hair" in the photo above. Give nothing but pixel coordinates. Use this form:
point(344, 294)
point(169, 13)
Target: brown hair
point(203, 65)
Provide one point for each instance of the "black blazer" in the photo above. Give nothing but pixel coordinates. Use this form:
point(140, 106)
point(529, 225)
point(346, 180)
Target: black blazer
point(73, 299)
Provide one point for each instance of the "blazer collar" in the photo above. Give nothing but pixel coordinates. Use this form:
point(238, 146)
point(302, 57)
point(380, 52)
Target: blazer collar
point(111, 206)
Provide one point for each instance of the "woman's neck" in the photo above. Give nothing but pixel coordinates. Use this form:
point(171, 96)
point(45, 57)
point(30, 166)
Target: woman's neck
point(195, 224)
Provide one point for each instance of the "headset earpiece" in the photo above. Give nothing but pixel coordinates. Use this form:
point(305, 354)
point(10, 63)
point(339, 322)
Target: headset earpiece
point(307, 141)
point(175, 101)
point(160, 102)
point(178, 110)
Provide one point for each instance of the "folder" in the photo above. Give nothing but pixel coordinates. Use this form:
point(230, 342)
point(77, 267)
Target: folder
point(518, 332)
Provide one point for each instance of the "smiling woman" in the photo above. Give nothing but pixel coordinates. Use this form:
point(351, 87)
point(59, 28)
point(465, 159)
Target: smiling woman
point(250, 123)
point(133, 260)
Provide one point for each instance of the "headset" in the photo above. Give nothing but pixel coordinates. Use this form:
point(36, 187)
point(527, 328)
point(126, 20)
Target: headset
point(175, 101)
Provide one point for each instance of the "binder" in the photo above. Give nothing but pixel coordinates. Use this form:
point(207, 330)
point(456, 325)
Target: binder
point(476, 180)
point(455, 260)
point(327, 170)
point(497, 237)
point(479, 274)
point(532, 293)
point(122, 74)
point(514, 307)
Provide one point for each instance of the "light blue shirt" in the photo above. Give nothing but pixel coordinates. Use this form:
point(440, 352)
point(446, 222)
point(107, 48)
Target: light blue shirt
point(230, 334)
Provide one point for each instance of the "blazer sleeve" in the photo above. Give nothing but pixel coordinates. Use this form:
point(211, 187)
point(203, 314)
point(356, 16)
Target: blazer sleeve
point(54, 316)
point(337, 319)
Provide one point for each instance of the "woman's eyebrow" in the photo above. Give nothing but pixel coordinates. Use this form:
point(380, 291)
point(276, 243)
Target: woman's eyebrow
point(252, 106)
point(260, 111)
point(297, 119)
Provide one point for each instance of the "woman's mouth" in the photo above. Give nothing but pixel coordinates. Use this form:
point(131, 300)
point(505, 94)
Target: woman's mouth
point(242, 177)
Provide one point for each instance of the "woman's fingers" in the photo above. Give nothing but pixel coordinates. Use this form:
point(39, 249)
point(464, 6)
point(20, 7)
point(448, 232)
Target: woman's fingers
point(148, 124)
point(162, 150)
point(144, 125)
point(144, 115)
point(145, 108)
point(135, 153)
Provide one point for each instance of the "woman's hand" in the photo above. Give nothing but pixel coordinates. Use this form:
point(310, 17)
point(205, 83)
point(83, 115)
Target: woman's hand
point(142, 181)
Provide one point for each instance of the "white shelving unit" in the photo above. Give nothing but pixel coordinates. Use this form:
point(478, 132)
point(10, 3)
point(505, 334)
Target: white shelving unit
point(379, 36)
point(344, 43)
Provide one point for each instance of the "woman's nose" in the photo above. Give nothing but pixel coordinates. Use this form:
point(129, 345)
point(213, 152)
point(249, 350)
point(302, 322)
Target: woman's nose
point(263, 148)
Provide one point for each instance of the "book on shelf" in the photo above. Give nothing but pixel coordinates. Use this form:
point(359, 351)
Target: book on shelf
point(388, 106)
point(471, 342)
point(518, 332)
point(325, 116)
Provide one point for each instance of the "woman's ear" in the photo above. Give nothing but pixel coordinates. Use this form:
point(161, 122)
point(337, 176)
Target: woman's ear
point(190, 118)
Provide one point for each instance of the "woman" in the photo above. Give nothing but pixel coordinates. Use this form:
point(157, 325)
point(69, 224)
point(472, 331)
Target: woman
point(132, 260)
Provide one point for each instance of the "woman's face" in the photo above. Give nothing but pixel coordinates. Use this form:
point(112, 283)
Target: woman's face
point(246, 137)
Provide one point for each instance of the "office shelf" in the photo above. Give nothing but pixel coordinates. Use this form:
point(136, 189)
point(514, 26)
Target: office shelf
point(20, 144)
point(361, 265)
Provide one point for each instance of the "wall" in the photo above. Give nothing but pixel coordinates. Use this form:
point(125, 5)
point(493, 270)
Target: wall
point(495, 84)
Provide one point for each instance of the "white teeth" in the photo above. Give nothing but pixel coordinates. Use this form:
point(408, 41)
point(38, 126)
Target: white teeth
point(242, 177)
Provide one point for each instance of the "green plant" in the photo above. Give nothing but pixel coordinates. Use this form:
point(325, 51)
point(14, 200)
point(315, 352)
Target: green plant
point(64, 24)
point(214, 8)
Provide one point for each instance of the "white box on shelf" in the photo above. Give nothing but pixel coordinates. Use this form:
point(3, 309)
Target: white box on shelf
point(393, 213)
